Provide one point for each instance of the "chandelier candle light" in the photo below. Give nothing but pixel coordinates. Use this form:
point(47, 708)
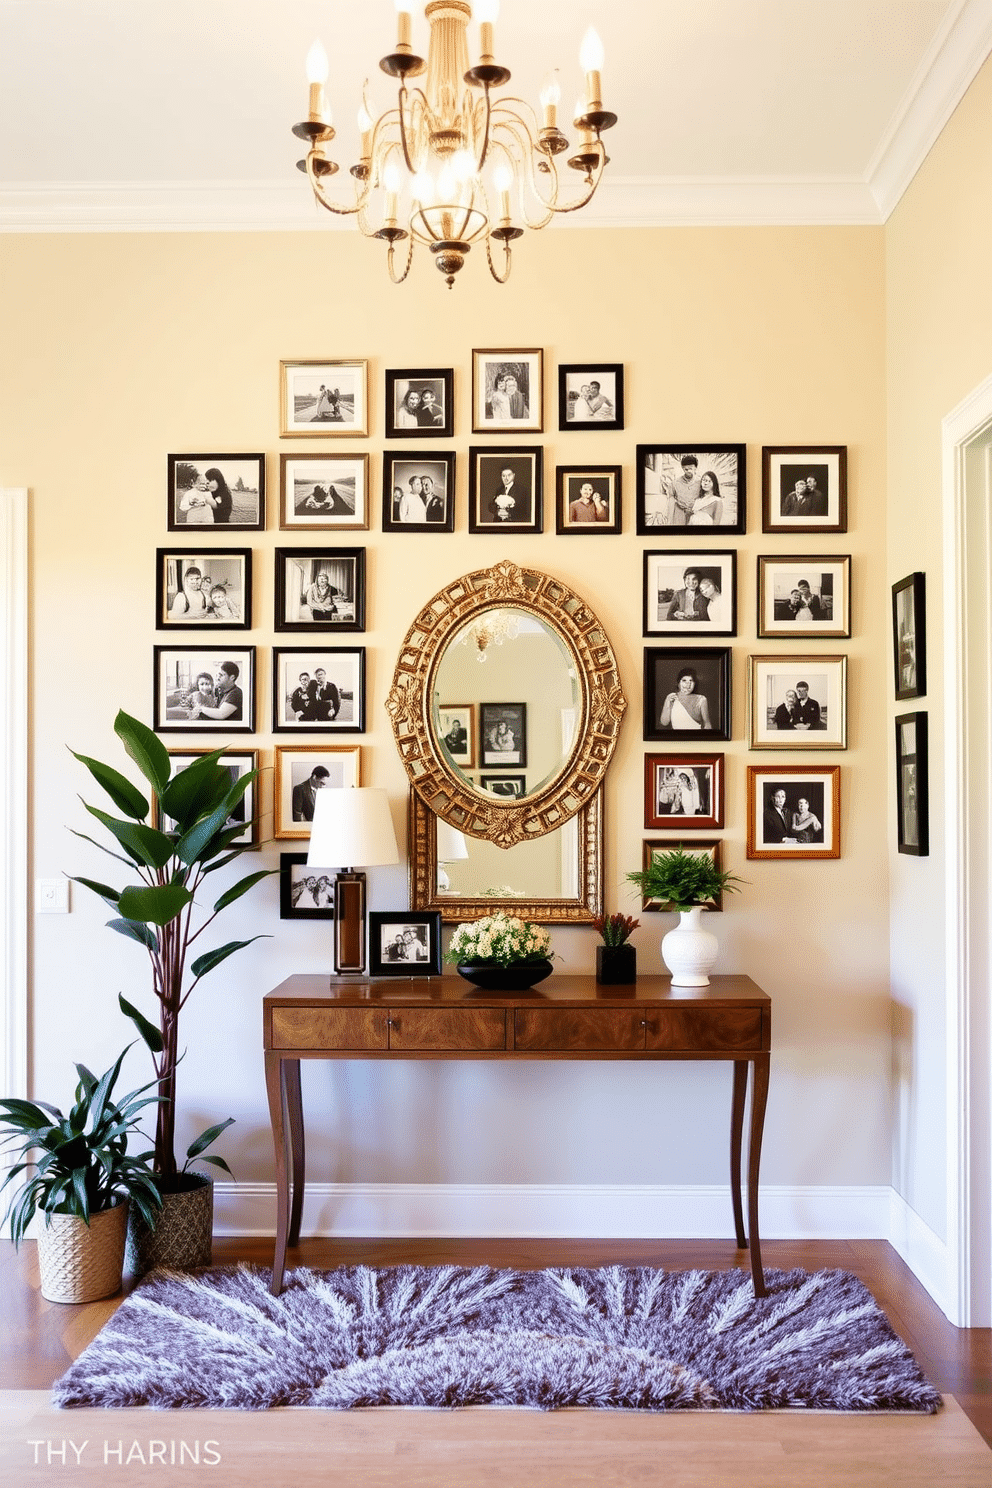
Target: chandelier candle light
point(452, 165)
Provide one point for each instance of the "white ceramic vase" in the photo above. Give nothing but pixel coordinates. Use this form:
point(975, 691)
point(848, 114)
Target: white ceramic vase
point(689, 951)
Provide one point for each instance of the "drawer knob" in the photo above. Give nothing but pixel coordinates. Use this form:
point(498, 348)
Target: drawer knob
point(644, 1022)
point(390, 1023)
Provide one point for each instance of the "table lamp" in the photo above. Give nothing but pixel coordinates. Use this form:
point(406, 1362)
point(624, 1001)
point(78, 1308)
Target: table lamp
point(451, 847)
point(351, 826)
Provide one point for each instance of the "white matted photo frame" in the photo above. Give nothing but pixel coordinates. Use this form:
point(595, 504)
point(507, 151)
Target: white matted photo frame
point(320, 589)
point(804, 596)
point(650, 849)
point(912, 785)
point(690, 593)
point(797, 702)
point(508, 391)
point(420, 404)
point(702, 486)
point(418, 491)
point(793, 811)
point(323, 491)
point(210, 491)
point(505, 488)
point(502, 734)
point(238, 763)
point(590, 396)
point(326, 398)
point(683, 792)
point(203, 588)
point(804, 488)
point(318, 690)
point(456, 730)
point(302, 770)
point(587, 499)
point(404, 942)
point(305, 893)
point(687, 693)
point(203, 689)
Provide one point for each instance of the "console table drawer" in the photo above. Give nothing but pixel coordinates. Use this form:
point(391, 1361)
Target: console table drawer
point(578, 1031)
point(480, 1030)
point(704, 1029)
point(329, 1028)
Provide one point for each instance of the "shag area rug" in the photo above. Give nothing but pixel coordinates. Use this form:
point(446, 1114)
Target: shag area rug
point(444, 1336)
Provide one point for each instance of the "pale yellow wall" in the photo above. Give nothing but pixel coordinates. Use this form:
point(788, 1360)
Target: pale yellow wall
point(121, 349)
point(939, 347)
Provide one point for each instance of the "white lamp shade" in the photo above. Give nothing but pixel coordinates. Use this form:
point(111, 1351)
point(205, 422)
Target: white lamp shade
point(352, 828)
point(451, 844)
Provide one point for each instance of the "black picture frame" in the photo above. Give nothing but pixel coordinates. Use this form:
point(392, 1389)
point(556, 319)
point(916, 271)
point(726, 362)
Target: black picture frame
point(804, 488)
point(400, 469)
point(605, 405)
point(523, 506)
point(590, 513)
point(421, 931)
point(297, 899)
point(913, 785)
point(402, 384)
point(664, 667)
point(502, 735)
point(506, 786)
point(689, 592)
point(242, 497)
point(662, 507)
point(240, 762)
point(206, 570)
point(909, 636)
point(344, 669)
point(683, 792)
point(298, 585)
point(176, 695)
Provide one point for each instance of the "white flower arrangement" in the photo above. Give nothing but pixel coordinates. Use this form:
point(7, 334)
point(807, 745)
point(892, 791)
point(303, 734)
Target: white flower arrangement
point(499, 940)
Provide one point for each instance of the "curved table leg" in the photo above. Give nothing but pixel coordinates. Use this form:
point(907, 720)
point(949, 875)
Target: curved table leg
point(736, 1137)
point(759, 1099)
point(297, 1147)
point(275, 1089)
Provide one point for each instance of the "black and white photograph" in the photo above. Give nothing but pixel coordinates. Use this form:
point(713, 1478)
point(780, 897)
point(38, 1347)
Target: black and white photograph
point(318, 691)
point(804, 489)
point(238, 763)
point(320, 589)
point(203, 588)
point(324, 492)
point(650, 850)
point(301, 770)
point(686, 692)
point(323, 398)
point(418, 492)
point(509, 787)
point(503, 734)
point(683, 791)
point(201, 689)
point(699, 486)
point(305, 893)
point(216, 491)
point(505, 492)
point(405, 943)
point(793, 812)
point(456, 730)
point(587, 499)
point(590, 396)
point(689, 593)
point(909, 636)
point(804, 597)
point(912, 785)
point(507, 392)
point(420, 405)
point(797, 702)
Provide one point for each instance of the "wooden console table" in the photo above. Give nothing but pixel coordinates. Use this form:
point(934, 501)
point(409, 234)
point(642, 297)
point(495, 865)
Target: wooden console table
point(565, 1017)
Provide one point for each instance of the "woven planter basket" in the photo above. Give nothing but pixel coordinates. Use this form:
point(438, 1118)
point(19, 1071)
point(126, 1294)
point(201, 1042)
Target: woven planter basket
point(80, 1264)
point(182, 1238)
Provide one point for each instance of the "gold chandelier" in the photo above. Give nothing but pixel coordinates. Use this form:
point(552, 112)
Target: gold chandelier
point(452, 165)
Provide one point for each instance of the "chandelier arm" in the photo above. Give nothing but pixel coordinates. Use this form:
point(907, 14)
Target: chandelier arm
point(409, 260)
point(485, 132)
point(406, 124)
point(524, 157)
point(329, 206)
point(507, 265)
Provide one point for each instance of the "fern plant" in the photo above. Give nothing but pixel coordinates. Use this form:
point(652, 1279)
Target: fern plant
point(683, 879)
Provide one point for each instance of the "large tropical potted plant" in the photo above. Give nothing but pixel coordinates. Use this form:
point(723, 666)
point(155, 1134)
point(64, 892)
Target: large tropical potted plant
point(82, 1180)
point(170, 839)
point(685, 882)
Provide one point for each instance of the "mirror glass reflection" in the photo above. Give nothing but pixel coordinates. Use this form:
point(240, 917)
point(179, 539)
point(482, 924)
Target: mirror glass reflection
point(506, 712)
point(547, 867)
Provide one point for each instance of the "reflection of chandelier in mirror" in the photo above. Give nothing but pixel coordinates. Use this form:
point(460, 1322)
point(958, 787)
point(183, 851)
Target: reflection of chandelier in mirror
point(431, 150)
point(492, 628)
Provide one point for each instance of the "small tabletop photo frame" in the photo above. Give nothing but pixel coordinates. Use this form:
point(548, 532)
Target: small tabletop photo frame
point(405, 942)
point(305, 892)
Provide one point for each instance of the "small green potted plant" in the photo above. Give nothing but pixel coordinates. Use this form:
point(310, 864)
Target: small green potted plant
point(685, 881)
point(501, 953)
point(84, 1183)
point(616, 958)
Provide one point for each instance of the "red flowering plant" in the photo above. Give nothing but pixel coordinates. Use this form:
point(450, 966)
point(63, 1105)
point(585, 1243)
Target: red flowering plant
point(616, 929)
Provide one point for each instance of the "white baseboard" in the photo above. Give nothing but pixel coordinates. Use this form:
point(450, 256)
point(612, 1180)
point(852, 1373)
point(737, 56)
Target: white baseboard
point(926, 1255)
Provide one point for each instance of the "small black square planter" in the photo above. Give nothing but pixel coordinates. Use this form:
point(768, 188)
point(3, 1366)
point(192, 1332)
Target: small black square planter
point(616, 966)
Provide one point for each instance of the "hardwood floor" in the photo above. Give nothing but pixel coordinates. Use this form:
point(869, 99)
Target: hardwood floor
point(437, 1449)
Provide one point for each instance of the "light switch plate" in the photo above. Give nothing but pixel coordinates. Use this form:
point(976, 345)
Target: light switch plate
point(52, 895)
